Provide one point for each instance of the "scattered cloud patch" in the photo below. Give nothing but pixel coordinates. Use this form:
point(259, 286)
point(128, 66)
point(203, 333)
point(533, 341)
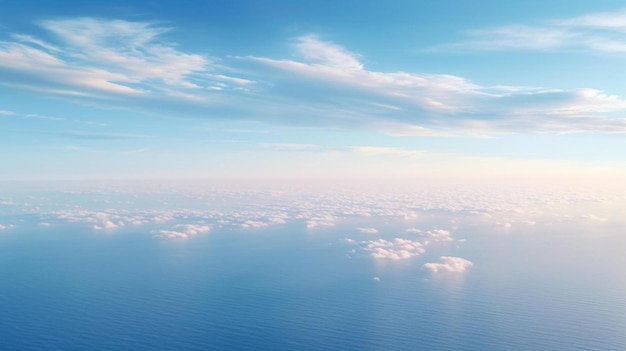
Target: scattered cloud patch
point(106, 225)
point(432, 236)
point(367, 230)
point(314, 208)
point(396, 249)
point(320, 222)
point(449, 264)
point(250, 224)
point(183, 231)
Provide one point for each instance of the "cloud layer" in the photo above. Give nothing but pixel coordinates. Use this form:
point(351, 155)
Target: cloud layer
point(137, 65)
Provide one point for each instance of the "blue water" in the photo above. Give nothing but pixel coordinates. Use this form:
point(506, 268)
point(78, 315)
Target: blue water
point(66, 287)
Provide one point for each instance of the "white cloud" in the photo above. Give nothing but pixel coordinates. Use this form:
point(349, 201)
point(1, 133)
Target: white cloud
point(396, 249)
point(437, 235)
point(432, 236)
point(449, 264)
point(58, 76)
point(136, 64)
point(402, 91)
point(101, 58)
point(170, 234)
point(193, 229)
point(106, 225)
point(327, 54)
point(403, 103)
point(321, 221)
point(183, 231)
point(29, 39)
point(339, 205)
point(131, 48)
point(595, 32)
point(367, 230)
point(251, 224)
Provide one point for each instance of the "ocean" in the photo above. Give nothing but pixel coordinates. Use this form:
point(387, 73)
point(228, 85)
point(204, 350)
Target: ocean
point(291, 285)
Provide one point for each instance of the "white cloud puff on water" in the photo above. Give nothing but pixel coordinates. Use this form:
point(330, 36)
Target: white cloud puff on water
point(183, 231)
point(396, 249)
point(432, 236)
point(449, 264)
point(10, 226)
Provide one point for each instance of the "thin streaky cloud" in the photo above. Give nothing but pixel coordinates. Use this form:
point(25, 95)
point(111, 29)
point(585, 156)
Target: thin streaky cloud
point(291, 146)
point(100, 136)
point(25, 38)
point(310, 47)
point(601, 32)
point(439, 104)
point(326, 85)
point(43, 117)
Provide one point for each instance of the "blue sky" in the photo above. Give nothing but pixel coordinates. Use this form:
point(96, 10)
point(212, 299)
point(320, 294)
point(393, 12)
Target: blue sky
point(245, 89)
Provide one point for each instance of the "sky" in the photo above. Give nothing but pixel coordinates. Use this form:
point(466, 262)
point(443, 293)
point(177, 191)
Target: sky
point(317, 89)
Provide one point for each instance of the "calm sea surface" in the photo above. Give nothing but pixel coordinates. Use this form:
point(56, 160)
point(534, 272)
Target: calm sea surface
point(546, 287)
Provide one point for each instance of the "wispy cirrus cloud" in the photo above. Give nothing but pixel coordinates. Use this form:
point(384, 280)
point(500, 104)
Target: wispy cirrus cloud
point(328, 54)
point(29, 39)
point(601, 32)
point(101, 58)
point(77, 134)
point(129, 48)
point(402, 103)
point(324, 85)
